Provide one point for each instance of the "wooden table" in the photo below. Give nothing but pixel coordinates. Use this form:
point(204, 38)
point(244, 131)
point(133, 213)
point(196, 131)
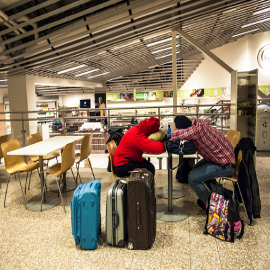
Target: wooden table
point(41, 149)
point(170, 212)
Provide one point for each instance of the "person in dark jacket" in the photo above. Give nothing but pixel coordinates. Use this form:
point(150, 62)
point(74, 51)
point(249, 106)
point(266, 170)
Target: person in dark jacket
point(128, 155)
point(247, 178)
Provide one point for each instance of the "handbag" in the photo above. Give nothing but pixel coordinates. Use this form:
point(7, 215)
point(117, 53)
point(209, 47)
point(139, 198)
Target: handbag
point(188, 147)
point(223, 220)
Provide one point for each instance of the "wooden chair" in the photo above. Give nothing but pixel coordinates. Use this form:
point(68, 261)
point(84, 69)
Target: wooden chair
point(15, 164)
point(233, 136)
point(57, 170)
point(85, 152)
point(111, 146)
point(32, 139)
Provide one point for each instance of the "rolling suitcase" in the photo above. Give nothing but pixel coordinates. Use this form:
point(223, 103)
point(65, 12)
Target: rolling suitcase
point(141, 209)
point(85, 214)
point(116, 214)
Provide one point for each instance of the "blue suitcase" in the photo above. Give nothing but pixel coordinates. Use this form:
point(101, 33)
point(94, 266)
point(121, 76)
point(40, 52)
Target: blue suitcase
point(85, 214)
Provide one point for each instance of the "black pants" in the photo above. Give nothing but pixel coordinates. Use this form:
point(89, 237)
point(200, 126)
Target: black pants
point(123, 170)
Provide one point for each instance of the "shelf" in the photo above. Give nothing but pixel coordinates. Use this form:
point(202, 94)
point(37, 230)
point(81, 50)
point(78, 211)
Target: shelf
point(246, 106)
point(251, 125)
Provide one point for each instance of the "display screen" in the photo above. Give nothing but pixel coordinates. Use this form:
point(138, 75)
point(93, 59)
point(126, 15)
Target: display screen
point(85, 103)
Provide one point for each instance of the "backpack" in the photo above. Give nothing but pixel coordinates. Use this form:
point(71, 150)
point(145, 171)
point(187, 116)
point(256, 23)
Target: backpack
point(188, 147)
point(185, 166)
point(223, 215)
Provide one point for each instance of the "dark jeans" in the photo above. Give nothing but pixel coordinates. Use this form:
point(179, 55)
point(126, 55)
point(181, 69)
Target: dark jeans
point(123, 170)
point(203, 172)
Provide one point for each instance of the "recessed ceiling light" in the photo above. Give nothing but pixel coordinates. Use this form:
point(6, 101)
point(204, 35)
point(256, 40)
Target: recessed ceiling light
point(70, 69)
point(3, 80)
point(115, 78)
point(165, 55)
point(261, 21)
point(261, 11)
point(87, 72)
point(160, 41)
point(246, 32)
point(3, 86)
point(164, 49)
point(98, 75)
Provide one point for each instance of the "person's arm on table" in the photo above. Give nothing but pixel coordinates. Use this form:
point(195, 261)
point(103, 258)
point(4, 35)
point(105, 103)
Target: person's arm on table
point(191, 133)
point(149, 146)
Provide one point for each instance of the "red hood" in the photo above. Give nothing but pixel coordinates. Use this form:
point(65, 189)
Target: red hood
point(149, 126)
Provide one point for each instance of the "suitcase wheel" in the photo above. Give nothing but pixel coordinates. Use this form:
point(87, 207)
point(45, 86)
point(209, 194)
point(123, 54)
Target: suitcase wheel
point(130, 245)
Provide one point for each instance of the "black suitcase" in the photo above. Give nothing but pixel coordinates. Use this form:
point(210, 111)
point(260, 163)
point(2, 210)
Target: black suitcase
point(141, 209)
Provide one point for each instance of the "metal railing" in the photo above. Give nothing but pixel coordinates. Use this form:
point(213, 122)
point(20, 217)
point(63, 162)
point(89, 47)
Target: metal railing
point(210, 114)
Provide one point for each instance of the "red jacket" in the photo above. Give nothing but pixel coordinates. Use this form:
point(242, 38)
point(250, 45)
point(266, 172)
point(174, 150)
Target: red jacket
point(135, 142)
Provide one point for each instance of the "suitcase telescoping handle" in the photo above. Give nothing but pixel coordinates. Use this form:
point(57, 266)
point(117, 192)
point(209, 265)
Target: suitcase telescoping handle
point(116, 219)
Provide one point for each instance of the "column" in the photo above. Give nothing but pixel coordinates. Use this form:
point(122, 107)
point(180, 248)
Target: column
point(22, 98)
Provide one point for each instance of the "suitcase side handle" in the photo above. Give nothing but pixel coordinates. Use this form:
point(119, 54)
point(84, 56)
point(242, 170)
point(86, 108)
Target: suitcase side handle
point(138, 214)
point(115, 219)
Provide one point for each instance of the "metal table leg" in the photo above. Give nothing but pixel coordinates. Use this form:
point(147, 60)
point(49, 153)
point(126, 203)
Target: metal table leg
point(169, 212)
point(177, 192)
point(49, 199)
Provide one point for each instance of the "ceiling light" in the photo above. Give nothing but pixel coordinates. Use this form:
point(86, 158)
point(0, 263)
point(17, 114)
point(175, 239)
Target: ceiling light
point(125, 45)
point(101, 53)
point(261, 21)
point(246, 32)
point(165, 56)
point(115, 78)
point(98, 75)
point(156, 35)
point(160, 41)
point(261, 11)
point(164, 49)
point(3, 85)
point(67, 70)
point(87, 72)
point(46, 84)
point(3, 80)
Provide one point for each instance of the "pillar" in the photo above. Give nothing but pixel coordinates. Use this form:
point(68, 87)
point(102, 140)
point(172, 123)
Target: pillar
point(22, 98)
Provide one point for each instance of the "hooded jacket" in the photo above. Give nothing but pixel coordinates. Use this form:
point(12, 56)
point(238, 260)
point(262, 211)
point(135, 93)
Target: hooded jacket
point(247, 178)
point(135, 142)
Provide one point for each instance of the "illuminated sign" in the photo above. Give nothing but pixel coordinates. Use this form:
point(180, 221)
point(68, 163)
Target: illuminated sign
point(264, 57)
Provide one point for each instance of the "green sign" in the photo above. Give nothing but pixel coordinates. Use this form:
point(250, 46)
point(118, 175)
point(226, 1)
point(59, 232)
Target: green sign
point(212, 92)
point(113, 96)
point(265, 89)
point(142, 95)
point(159, 94)
point(182, 93)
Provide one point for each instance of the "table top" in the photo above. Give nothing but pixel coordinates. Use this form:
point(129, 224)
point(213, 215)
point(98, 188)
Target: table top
point(165, 155)
point(45, 147)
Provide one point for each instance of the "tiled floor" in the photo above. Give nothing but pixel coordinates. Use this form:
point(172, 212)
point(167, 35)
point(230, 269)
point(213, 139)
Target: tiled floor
point(43, 240)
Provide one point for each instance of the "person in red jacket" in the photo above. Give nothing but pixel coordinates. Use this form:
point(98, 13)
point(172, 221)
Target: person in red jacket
point(128, 155)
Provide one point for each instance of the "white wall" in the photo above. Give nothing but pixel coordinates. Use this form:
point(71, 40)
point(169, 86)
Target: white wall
point(3, 94)
point(74, 100)
point(240, 55)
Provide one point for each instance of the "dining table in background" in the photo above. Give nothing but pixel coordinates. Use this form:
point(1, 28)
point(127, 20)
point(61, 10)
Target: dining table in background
point(41, 149)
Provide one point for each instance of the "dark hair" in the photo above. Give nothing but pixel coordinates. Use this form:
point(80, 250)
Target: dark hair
point(182, 122)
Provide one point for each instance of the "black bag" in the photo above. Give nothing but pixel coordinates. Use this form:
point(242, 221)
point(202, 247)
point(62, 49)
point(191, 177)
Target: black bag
point(188, 147)
point(185, 166)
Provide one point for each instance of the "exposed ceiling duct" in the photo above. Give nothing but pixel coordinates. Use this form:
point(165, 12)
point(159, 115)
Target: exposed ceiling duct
point(100, 40)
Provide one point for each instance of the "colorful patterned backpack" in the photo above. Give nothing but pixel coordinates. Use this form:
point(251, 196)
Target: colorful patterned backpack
point(223, 215)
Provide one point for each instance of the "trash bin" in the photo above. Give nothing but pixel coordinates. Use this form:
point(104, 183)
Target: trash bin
point(263, 127)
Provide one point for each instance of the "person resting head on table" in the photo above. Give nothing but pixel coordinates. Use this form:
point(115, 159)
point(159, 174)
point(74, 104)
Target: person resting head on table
point(128, 155)
point(217, 152)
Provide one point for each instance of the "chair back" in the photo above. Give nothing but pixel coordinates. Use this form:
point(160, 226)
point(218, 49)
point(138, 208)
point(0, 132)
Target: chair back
point(11, 161)
point(3, 139)
point(111, 146)
point(68, 157)
point(237, 163)
point(33, 138)
point(86, 146)
point(233, 136)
